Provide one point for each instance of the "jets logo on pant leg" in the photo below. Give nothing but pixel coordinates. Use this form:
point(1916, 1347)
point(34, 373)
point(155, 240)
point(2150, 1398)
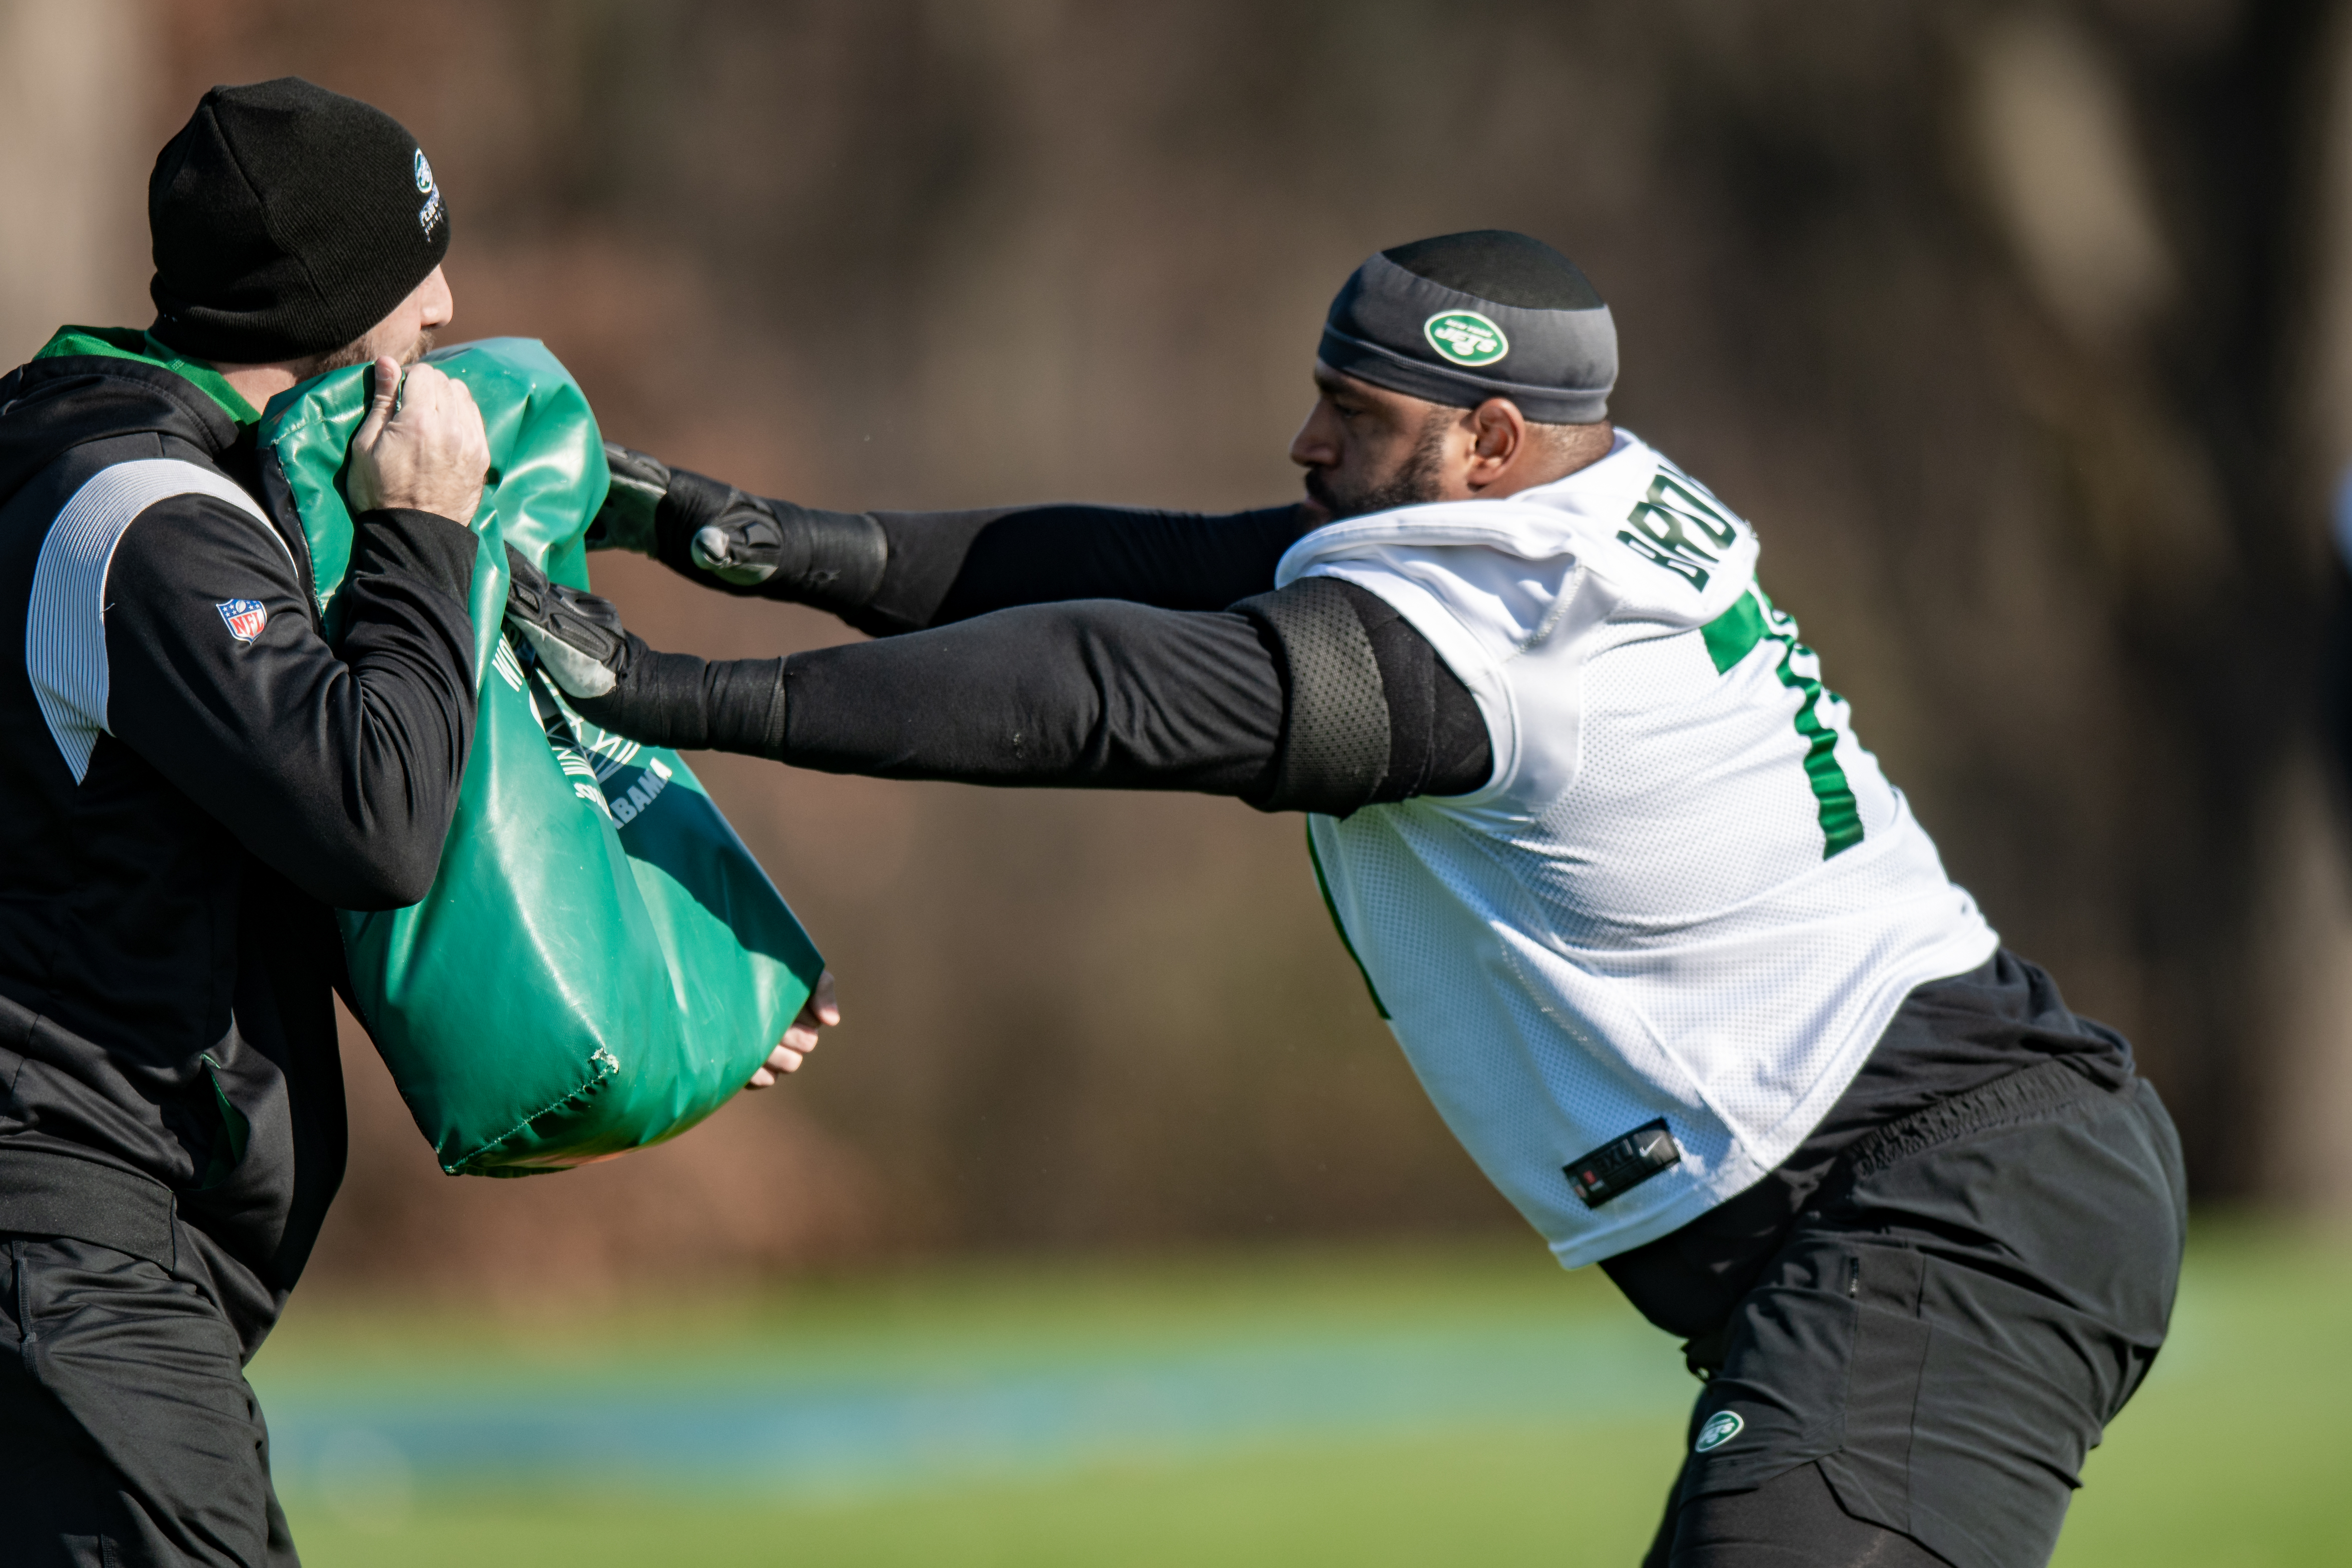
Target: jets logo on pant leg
point(1721, 1428)
point(245, 617)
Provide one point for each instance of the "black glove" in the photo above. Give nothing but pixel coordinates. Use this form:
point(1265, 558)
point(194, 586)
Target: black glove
point(578, 637)
point(620, 684)
point(709, 530)
point(625, 521)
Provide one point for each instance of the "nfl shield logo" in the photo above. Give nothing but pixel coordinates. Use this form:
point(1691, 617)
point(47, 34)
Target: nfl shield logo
point(245, 617)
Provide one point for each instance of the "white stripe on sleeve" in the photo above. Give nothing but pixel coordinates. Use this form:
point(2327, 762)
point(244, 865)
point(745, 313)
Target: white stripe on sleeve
point(65, 629)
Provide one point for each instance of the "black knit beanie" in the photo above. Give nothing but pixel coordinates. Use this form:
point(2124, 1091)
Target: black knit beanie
point(287, 220)
point(1465, 317)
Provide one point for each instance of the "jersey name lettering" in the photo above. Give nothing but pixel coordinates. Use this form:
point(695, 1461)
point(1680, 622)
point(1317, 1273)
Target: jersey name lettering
point(1663, 521)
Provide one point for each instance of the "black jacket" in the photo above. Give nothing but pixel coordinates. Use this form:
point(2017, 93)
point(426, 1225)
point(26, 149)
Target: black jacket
point(194, 778)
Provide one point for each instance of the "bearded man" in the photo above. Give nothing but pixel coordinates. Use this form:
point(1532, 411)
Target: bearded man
point(1669, 954)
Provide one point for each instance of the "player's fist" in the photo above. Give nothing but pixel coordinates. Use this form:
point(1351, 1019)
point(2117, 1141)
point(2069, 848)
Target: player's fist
point(679, 516)
point(431, 455)
point(627, 521)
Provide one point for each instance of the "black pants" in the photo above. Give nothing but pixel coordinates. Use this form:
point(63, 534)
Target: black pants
point(127, 1435)
point(1926, 1360)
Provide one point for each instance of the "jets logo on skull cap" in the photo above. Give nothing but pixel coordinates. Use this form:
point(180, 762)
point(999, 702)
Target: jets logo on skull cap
point(1466, 337)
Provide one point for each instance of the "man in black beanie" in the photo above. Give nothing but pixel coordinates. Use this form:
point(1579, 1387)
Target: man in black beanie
point(1667, 950)
point(199, 776)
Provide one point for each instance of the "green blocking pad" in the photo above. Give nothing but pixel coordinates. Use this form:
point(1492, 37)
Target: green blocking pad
point(601, 962)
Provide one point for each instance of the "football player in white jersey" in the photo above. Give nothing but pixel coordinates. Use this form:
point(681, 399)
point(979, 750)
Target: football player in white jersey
point(1669, 954)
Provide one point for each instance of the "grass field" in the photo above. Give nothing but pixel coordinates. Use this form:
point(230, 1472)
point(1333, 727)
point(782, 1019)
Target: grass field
point(1434, 1405)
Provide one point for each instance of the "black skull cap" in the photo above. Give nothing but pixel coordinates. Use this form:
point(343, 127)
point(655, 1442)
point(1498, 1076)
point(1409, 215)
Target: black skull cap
point(1462, 317)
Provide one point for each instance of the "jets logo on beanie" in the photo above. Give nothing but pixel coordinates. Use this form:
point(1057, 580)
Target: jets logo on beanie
point(287, 221)
point(1465, 317)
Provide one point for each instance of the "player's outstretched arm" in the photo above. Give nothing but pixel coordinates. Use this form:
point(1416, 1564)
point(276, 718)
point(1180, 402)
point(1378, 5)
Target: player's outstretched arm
point(1317, 698)
point(885, 573)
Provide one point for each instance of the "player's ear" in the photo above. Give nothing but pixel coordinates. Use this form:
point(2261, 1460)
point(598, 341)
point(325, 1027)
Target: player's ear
point(1500, 430)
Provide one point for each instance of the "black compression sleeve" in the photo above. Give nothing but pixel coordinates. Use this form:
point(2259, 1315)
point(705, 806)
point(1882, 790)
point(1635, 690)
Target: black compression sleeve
point(948, 566)
point(1438, 742)
point(1099, 694)
point(1096, 694)
point(1372, 713)
point(694, 705)
point(339, 767)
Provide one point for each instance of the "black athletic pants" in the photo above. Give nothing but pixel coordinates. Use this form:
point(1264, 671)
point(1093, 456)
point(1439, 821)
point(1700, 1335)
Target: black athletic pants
point(128, 1436)
point(1972, 1295)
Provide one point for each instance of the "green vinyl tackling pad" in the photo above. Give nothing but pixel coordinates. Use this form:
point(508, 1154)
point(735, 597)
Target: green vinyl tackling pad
point(600, 962)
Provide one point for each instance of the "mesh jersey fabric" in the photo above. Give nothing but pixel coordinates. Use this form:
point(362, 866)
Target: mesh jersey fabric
point(1687, 891)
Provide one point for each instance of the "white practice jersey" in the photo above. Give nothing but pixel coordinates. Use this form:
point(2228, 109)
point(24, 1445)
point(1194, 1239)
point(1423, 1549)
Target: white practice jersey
point(1686, 893)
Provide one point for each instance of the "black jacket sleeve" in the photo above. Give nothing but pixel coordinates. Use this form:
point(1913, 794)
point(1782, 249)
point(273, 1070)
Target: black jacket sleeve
point(338, 768)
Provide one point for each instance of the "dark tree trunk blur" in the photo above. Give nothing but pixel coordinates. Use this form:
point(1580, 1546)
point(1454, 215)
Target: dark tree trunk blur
point(2224, 662)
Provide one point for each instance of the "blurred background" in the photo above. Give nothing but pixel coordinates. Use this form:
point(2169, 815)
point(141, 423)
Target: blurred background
point(2023, 332)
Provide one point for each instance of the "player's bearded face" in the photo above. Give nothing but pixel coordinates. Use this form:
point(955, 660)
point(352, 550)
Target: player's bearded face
point(1406, 473)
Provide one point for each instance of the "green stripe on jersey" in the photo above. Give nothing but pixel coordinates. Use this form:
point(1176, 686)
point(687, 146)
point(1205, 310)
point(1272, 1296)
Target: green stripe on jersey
point(1732, 636)
point(1732, 633)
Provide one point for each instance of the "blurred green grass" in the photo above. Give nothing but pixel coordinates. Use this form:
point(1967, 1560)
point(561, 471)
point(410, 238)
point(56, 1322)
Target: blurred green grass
point(2228, 1456)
